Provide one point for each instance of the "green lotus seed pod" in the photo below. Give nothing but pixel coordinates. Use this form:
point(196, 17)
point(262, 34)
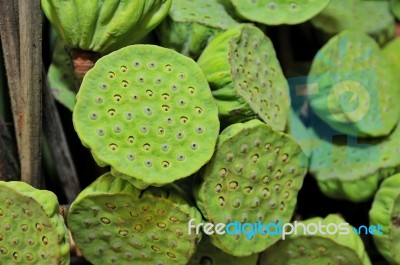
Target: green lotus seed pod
point(207, 254)
point(104, 26)
point(351, 168)
point(356, 88)
point(391, 51)
point(191, 25)
point(149, 113)
point(395, 6)
point(385, 211)
point(254, 175)
point(319, 248)
point(300, 133)
point(279, 11)
point(246, 78)
point(61, 76)
point(32, 230)
point(112, 222)
point(371, 17)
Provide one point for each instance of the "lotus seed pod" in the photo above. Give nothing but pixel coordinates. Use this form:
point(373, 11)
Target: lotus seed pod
point(112, 222)
point(254, 175)
point(32, 231)
point(207, 254)
point(385, 211)
point(148, 112)
point(391, 51)
point(246, 78)
point(61, 76)
point(371, 17)
point(328, 247)
point(351, 168)
point(300, 133)
point(356, 88)
point(191, 25)
point(104, 27)
point(395, 6)
point(279, 11)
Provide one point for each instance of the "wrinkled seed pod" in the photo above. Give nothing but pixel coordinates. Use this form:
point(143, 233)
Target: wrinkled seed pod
point(149, 113)
point(318, 248)
point(355, 88)
point(385, 211)
point(254, 175)
point(371, 17)
point(191, 25)
point(277, 12)
point(208, 254)
point(112, 222)
point(104, 26)
point(246, 77)
point(31, 231)
point(349, 168)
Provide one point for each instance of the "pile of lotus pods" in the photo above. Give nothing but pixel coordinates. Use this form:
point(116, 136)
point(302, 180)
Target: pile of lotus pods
point(189, 108)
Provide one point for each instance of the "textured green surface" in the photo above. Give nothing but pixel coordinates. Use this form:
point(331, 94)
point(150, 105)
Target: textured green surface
point(31, 230)
point(392, 53)
point(61, 76)
point(246, 78)
point(319, 249)
point(191, 25)
point(112, 222)
point(300, 133)
point(207, 254)
point(395, 6)
point(104, 26)
point(356, 87)
point(148, 112)
point(279, 12)
point(254, 175)
point(386, 212)
point(371, 17)
point(350, 168)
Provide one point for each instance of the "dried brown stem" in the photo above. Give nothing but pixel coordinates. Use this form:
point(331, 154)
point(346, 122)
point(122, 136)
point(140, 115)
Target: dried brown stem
point(83, 61)
point(30, 29)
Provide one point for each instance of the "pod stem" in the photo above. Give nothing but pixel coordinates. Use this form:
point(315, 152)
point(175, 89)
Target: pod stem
point(83, 61)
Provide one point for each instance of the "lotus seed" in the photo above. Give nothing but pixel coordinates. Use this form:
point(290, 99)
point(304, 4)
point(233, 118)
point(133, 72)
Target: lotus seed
point(236, 203)
point(194, 146)
point(148, 163)
point(141, 80)
point(7, 227)
point(136, 64)
point(45, 241)
point(180, 157)
point(191, 90)
point(199, 129)
point(171, 255)
point(123, 68)
point(99, 100)
point(24, 228)
point(111, 75)
point(105, 220)
point(111, 112)
point(117, 129)
point(168, 68)
point(124, 84)
point(198, 110)
point(229, 157)
point(143, 129)
point(113, 147)
point(221, 201)
point(117, 97)
point(134, 97)
point(181, 103)
point(254, 158)
point(167, 108)
point(174, 87)
point(158, 81)
point(103, 86)
point(164, 147)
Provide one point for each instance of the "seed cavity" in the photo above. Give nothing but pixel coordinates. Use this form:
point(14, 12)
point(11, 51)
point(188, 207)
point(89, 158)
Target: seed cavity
point(184, 119)
point(198, 110)
point(123, 68)
point(199, 130)
point(113, 147)
point(111, 75)
point(168, 68)
point(165, 164)
point(233, 185)
point(222, 172)
point(124, 83)
point(165, 147)
point(180, 135)
point(148, 163)
point(103, 86)
point(130, 156)
point(152, 65)
point(105, 220)
point(180, 157)
point(111, 112)
point(254, 158)
point(136, 64)
point(221, 201)
point(182, 75)
point(194, 146)
point(147, 111)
